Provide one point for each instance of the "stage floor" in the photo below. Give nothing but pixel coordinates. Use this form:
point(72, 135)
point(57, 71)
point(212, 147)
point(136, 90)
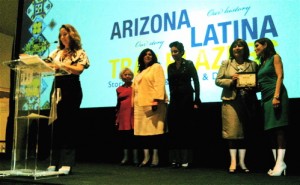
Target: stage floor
point(114, 174)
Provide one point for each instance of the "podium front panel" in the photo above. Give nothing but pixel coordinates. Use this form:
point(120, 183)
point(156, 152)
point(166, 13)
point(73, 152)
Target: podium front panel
point(32, 136)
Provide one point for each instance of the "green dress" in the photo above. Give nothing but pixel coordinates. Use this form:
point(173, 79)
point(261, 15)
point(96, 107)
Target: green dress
point(273, 117)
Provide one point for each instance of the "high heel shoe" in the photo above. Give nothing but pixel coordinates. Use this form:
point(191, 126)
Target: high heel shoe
point(136, 164)
point(65, 170)
point(144, 164)
point(51, 168)
point(154, 165)
point(124, 163)
point(231, 171)
point(175, 165)
point(185, 165)
point(246, 170)
point(278, 171)
point(270, 171)
point(242, 168)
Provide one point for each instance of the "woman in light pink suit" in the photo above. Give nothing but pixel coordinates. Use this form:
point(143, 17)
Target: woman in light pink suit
point(150, 99)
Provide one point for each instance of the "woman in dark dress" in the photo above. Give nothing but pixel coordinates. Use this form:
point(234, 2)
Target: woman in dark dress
point(274, 99)
point(183, 100)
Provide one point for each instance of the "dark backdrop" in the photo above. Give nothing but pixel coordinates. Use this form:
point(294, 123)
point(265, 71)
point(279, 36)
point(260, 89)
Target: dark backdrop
point(99, 142)
point(98, 139)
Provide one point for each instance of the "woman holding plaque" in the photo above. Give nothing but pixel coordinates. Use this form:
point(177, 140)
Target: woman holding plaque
point(238, 101)
point(274, 99)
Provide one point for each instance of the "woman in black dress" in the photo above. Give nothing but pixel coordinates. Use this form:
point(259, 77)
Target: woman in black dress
point(184, 98)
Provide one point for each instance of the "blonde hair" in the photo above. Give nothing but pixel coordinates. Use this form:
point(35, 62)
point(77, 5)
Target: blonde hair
point(123, 71)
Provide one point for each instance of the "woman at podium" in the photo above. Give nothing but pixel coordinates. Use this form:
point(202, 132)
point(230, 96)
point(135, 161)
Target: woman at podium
point(69, 60)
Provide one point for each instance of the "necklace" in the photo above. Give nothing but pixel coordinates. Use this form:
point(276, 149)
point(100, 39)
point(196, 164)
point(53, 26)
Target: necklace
point(240, 66)
point(67, 50)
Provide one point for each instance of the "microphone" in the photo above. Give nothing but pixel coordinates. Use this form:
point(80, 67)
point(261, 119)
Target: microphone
point(39, 42)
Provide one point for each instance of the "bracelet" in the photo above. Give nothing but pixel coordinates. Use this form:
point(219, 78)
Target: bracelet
point(276, 97)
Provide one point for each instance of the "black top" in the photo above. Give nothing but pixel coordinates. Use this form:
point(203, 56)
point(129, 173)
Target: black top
point(180, 80)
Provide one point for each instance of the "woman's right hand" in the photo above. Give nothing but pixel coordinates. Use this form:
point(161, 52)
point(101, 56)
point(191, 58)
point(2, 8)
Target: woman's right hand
point(52, 65)
point(235, 76)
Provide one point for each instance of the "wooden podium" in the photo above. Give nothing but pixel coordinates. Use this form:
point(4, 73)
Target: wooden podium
point(32, 96)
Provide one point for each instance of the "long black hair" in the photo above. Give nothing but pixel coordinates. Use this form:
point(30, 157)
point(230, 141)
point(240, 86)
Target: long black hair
point(141, 59)
point(268, 51)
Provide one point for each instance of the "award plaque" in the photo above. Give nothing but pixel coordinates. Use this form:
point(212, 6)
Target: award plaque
point(246, 79)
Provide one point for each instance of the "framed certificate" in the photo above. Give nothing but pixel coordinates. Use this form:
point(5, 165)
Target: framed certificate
point(246, 79)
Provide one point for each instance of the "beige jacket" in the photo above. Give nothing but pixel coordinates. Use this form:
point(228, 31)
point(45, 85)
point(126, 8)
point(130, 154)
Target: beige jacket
point(150, 86)
point(224, 77)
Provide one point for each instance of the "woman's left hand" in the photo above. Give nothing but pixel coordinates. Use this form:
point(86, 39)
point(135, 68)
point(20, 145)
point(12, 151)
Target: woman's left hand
point(276, 102)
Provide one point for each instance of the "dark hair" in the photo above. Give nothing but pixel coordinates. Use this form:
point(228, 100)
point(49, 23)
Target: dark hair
point(268, 51)
point(245, 46)
point(141, 59)
point(177, 45)
point(75, 40)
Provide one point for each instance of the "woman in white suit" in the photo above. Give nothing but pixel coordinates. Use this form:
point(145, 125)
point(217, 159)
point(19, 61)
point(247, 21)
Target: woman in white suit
point(150, 98)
